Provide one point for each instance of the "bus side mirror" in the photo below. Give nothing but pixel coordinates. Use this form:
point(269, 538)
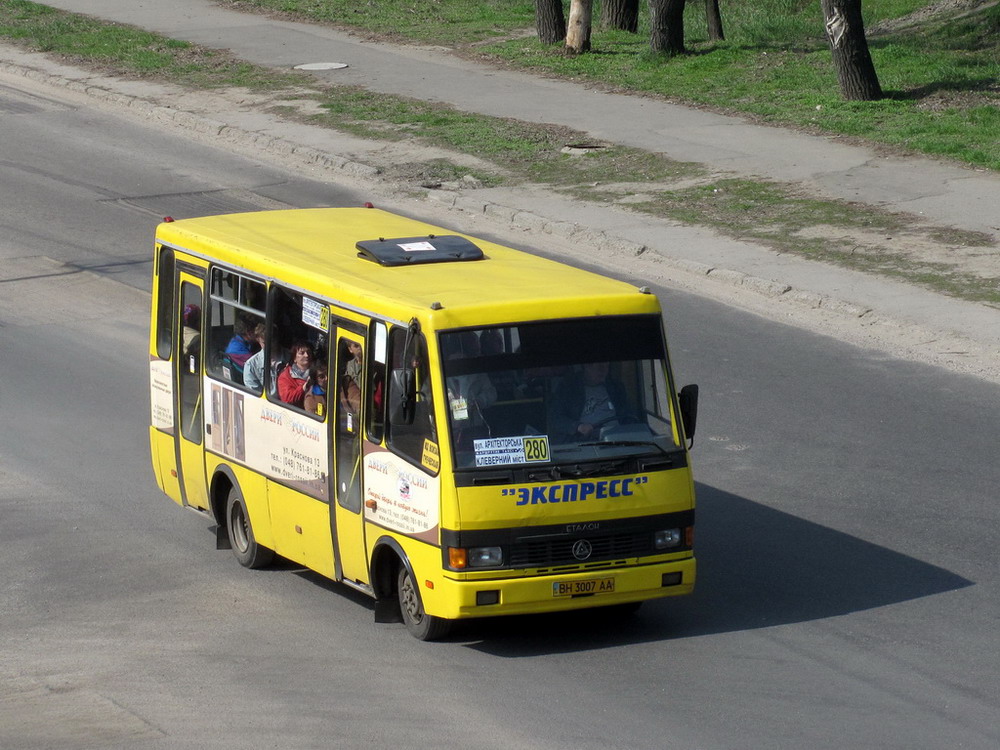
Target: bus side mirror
point(404, 396)
point(688, 399)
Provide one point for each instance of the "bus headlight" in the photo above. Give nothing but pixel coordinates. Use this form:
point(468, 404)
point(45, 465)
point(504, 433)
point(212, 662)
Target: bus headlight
point(485, 557)
point(667, 538)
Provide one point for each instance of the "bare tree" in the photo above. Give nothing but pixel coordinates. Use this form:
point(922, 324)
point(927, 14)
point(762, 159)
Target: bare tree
point(620, 14)
point(846, 32)
point(667, 26)
point(578, 29)
point(714, 17)
point(550, 23)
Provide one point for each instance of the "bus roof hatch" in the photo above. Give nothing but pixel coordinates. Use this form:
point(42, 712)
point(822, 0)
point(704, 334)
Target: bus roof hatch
point(408, 250)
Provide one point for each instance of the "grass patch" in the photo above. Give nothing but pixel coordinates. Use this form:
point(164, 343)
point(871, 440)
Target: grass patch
point(940, 76)
point(430, 21)
point(743, 206)
point(942, 102)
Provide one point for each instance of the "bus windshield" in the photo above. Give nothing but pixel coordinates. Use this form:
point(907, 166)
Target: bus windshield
point(558, 391)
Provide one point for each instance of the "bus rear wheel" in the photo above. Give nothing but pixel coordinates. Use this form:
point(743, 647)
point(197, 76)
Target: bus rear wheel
point(245, 547)
point(421, 625)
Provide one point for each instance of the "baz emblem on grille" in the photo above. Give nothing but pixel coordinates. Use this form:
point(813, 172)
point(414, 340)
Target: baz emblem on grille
point(582, 549)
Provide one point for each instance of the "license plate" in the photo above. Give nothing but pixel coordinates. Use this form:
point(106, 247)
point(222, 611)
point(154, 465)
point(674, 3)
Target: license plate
point(582, 588)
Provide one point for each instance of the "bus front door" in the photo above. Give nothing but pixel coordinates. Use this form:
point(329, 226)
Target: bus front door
point(349, 518)
point(190, 426)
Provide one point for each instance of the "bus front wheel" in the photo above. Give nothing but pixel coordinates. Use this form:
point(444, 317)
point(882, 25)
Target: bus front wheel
point(245, 547)
point(421, 625)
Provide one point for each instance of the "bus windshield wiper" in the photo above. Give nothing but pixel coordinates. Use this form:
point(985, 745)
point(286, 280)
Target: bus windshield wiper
point(587, 470)
point(624, 443)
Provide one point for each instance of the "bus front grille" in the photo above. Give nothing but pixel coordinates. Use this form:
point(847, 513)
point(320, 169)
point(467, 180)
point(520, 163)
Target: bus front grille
point(534, 553)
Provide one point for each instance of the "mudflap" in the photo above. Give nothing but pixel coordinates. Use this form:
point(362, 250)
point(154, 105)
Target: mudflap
point(222, 537)
point(387, 610)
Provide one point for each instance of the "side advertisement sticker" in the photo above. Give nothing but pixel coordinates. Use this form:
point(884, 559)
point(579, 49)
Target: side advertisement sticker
point(273, 440)
point(161, 395)
point(400, 496)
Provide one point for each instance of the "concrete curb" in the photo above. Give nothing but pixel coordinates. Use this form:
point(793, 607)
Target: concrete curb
point(609, 243)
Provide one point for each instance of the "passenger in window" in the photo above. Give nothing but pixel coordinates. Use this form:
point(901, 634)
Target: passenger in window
point(315, 400)
point(350, 389)
point(253, 370)
point(295, 381)
point(353, 370)
point(241, 346)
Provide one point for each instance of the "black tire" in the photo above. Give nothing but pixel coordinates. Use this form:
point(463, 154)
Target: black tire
point(245, 547)
point(422, 626)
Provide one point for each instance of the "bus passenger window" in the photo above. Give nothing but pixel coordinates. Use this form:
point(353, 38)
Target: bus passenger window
point(349, 368)
point(191, 332)
point(298, 351)
point(165, 303)
point(189, 372)
point(351, 357)
point(236, 324)
point(375, 420)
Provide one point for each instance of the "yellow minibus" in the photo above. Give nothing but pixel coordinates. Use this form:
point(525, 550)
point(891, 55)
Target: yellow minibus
point(456, 428)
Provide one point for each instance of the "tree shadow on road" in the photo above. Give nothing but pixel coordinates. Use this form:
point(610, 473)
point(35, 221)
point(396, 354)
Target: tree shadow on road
point(758, 567)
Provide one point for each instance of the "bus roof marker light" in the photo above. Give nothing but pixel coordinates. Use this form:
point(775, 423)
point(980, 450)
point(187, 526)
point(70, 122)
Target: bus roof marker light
point(168, 219)
point(644, 290)
point(437, 306)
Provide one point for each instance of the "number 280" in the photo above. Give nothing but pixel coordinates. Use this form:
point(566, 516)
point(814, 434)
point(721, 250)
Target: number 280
point(536, 449)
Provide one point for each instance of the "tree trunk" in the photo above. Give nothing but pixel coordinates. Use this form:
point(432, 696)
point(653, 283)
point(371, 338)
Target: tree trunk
point(620, 14)
point(846, 32)
point(667, 26)
point(550, 23)
point(578, 28)
point(714, 20)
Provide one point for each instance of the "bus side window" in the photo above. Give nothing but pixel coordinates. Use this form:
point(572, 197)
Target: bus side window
point(407, 438)
point(236, 317)
point(189, 379)
point(375, 393)
point(296, 323)
point(165, 303)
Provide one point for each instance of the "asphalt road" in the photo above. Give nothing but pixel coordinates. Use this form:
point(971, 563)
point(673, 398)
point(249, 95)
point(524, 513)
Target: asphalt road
point(847, 529)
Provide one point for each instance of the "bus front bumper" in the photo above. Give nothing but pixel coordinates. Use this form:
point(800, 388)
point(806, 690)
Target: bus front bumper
point(567, 591)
